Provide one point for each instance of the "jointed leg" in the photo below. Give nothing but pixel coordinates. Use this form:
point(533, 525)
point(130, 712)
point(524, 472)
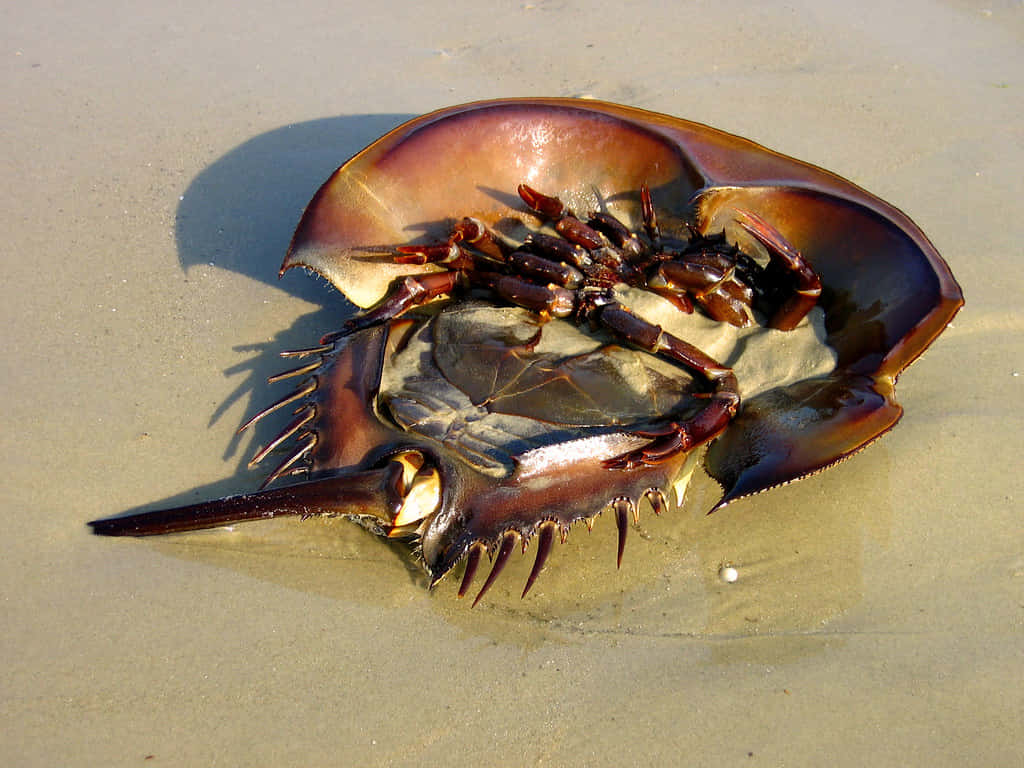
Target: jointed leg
point(788, 266)
point(711, 280)
point(411, 291)
point(674, 436)
point(608, 241)
point(547, 300)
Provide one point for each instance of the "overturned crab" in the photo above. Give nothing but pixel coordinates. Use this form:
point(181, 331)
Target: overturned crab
point(576, 276)
point(476, 424)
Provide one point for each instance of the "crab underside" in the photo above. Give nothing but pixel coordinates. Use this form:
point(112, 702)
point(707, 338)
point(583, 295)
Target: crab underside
point(527, 362)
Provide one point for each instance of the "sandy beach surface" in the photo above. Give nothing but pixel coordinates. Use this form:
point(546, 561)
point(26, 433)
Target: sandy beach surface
point(155, 163)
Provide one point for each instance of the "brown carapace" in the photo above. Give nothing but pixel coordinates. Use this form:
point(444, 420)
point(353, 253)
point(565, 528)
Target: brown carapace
point(524, 362)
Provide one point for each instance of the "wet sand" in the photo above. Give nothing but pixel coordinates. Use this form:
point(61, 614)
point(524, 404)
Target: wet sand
point(156, 163)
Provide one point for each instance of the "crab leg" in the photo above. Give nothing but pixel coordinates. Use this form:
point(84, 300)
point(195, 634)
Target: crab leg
point(785, 259)
point(556, 249)
point(566, 223)
point(599, 240)
point(649, 216)
point(542, 268)
point(575, 231)
point(549, 300)
point(545, 205)
point(711, 285)
point(677, 436)
point(411, 291)
point(619, 234)
point(471, 231)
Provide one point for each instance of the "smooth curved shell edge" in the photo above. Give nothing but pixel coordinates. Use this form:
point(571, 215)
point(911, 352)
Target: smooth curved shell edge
point(887, 292)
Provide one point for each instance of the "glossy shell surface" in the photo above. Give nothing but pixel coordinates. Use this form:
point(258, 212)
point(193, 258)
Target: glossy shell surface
point(515, 438)
point(887, 292)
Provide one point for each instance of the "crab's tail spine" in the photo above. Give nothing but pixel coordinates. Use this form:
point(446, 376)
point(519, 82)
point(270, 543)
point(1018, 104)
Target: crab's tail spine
point(352, 494)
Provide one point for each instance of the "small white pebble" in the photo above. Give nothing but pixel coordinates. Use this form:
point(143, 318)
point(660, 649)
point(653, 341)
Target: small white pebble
point(728, 574)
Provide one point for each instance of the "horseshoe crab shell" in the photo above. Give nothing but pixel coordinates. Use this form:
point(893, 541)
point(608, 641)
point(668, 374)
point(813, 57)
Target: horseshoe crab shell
point(523, 468)
point(887, 291)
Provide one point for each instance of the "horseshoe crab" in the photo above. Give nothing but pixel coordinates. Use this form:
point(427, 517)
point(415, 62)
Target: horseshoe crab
point(477, 423)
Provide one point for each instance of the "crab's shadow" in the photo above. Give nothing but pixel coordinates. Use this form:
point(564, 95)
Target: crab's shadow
point(240, 212)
